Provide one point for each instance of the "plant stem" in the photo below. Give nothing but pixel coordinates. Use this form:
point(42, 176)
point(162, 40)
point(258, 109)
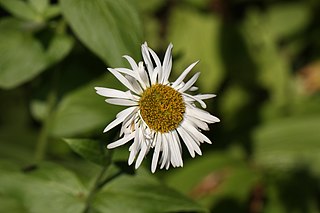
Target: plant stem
point(44, 132)
point(95, 189)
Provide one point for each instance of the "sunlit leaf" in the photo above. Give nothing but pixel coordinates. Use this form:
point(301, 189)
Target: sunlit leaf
point(184, 30)
point(39, 5)
point(288, 143)
point(91, 150)
point(280, 18)
point(109, 28)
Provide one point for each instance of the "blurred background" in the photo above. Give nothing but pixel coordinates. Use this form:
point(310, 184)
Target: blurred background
point(261, 58)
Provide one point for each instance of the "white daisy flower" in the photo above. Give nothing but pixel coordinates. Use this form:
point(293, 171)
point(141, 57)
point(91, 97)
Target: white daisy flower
point(161, 114)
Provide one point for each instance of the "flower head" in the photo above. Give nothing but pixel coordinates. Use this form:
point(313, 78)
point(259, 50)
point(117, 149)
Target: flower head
point(161, 115)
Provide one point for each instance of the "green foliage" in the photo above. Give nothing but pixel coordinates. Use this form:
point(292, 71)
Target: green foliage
point(261, 58)
point(90, 150)
point(108, 28)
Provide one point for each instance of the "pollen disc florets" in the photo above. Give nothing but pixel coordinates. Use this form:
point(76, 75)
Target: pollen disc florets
point(162, 108)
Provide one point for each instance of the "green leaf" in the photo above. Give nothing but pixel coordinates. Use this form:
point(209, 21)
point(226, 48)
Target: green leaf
point(280, 18)
point(49, 188)
point(22, 56)
point(288, 143)
point(83, 110)
point(91, 150)
point(143, 194)
point(39, 5)
point(60, 46)
point(20, 9)
point(52, 11)
point(109, 28)
point(184, 29)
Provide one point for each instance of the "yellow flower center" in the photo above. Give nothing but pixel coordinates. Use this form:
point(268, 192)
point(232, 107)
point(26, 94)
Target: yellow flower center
point(162, 108)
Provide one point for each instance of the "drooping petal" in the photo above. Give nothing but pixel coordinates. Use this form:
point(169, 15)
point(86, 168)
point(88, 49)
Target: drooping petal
point(121, 141)
point(121, 116)
point(121, 102)
point(156, 153)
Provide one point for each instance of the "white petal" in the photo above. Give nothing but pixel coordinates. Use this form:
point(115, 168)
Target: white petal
point(132, 63)
point(143, 76)
point(190, 82)
point(121, 102)
point(121, 116)
point(199, 123)
point(135, 84)
point(201, 114)
point(196, 133)
point(156, 153)
point(121, 141)
point(165, 152)
point(134, 147)
point(155, 75)
point(193, 98)
point(113, 93)
point(142, 154)
point(192, 89)
point(167, 64)
point(184, 74)
point(146, 58)
point(205, 96)
point(155, 57)
point(123, 80)
point(175, 150)
point(187, 140)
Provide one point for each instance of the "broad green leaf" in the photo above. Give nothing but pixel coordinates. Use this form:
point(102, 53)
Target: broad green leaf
point(9, 204)
point(184, 29)
point(20, 9)
point(83, 110)
point(91, 150)
point(39, 5)
point(142, 194)
point(288, 143)
point(281, 16)
point(214, 176)
point(274, 68)
point(60, 46)
point(109, 28)
point(22, 56)
point(52, 11)
point(49, 188)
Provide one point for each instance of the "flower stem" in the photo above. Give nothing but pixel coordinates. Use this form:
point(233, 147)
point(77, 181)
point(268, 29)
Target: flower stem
point(95, 189)
point(44, 132)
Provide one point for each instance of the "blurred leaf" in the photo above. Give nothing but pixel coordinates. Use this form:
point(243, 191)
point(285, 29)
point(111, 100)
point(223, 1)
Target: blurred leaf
point(288, 143)
point(109, 28)
point(39, 5)
point(49, 188)
point(39, 109)
point(142, 194)
point(9, 204)
point(52, 11)
point(22, 56)
point(83, 110)
point(148, 6)
point(274, 68)
point(281, 15)
point(60, 46)
point(20, 9)
point(214, 176)
point(184, 30)
point(91, 150)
